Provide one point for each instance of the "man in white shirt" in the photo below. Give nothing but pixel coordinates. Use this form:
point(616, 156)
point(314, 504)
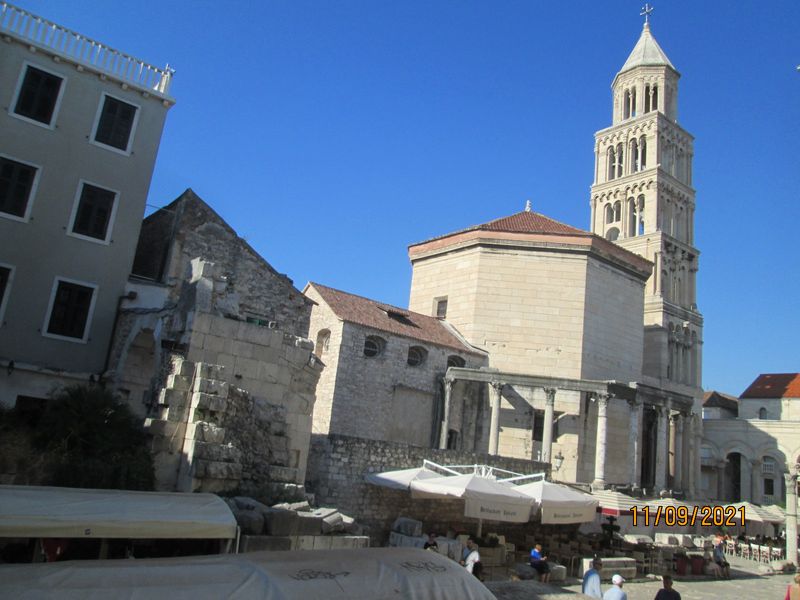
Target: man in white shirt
point(615, 591)
point(473, 558)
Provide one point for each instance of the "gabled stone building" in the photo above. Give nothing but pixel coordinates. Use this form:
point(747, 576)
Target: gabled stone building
point(383, 368)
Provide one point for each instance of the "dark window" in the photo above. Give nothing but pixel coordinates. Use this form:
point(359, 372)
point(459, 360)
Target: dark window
point(38, 95)
point(373, 346)
point(70, 310)
point(538, 426)
point(416, 356)
point(5, 275)
point(94, 212)
point(116, 123)
point(455, 361)
point(16, 182)
point(769, 487)
point(441, 308)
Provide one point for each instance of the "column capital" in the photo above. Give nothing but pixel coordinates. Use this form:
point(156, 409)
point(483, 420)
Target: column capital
point(449, 381)
point(790, 477)
point(634, 403)
point(755, 462)
point(497, 385)
point(550, 394)
point(602, 398)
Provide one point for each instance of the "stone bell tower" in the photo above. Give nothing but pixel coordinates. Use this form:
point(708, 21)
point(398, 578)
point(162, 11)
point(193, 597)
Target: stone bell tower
point(642, 199)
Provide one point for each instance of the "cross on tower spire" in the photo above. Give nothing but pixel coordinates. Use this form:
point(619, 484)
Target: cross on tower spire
point(646, 10)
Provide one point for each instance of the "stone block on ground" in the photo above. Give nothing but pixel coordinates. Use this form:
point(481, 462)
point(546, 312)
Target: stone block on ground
point(257, 543)
point(322, 542)
point(308, 524)
point(280, 522)
point(250, 521)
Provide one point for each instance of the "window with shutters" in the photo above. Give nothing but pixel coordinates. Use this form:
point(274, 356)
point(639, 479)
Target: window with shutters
point(116, 123)
point(38, 96)
point(17, 186)
point(93, 213)
point(70, 310)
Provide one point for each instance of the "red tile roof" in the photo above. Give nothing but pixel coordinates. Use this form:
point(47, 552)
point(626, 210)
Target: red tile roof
point(521, 222)
point(774, 385)
point(530, 222)
point(391, 319)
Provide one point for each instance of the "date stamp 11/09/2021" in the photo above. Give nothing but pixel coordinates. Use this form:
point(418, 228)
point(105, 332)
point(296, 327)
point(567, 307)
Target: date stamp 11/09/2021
point(683, 516)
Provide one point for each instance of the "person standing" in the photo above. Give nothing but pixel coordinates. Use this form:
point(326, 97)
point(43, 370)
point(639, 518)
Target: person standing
point(793, 591)
point(539, 563)
point(615, 591)
point(591, 580)
point(667, 593)
point(472, 562)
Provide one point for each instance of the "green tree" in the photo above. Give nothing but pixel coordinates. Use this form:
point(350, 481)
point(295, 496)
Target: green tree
point(93, 441)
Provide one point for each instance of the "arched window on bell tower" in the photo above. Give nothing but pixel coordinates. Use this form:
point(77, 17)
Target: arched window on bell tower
point(612, 163)
point(620, 157)
point(609, 214)
point(631, 217)
point(626, 105)
point(640, 214)
point(634, 155)
point(643, 152)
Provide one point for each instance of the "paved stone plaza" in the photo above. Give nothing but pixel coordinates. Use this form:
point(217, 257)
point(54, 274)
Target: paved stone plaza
point(745, 584)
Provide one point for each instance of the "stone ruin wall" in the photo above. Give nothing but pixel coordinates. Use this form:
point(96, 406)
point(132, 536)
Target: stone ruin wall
point(337, 465)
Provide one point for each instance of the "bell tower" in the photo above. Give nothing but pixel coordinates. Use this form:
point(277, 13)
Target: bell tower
point(642, 199)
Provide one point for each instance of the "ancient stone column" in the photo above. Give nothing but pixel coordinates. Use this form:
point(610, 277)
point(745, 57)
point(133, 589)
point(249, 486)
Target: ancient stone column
point(687, 473)
point(599, 482)
point(547, 432)
point(791, 516)
point(495, 387)
point(448, 388)
point(755, 481)
point(662, 444)
point(721, 480)
point(677, 479)
point(634, 448)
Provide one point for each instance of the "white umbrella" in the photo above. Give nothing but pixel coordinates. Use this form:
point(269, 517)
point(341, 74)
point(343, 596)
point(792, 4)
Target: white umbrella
point(616, 504)
point(485, 498)
point(559, 503)
point(401, 479)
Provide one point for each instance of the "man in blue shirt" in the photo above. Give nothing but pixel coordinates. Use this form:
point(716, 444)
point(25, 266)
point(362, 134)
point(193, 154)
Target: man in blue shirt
point(591, 580)
point(539, 563)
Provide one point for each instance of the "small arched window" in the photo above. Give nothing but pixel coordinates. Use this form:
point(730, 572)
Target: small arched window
point(631, 217)
point(617, 211)
point(373, 346)
point(455, 361)
point(609, 214)
point(323, 340)
point(612, 235)
point(762, 413)
point(620, 156)
point(416, 356)
point(626, 105)
point(634, 155)
point(612, 163)
point(640, 215)
point(642, 152)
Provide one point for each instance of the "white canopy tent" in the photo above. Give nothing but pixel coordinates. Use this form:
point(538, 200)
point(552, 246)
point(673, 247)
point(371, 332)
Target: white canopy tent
point(368, 574)
point(55, 512)
point(559, 504)
point(401, 479)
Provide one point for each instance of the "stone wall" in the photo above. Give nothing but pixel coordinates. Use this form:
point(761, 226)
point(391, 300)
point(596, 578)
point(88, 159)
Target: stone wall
point(211, 436)
point(337, 465)
point(247, 286)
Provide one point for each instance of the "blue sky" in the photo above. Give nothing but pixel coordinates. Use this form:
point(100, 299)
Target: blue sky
point(332, 134)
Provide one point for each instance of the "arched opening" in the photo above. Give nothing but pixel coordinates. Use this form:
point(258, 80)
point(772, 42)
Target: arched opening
point(762, 413)
point(609, 214)
point(323, 340)
point(455, 361)
point(136, 372)
point(769, 474)
point(634, 155)
point(612, 235)
point(631, 217)
point(612, 162)
point(643, 152)
point(373, 346)
point(626, 105)
point(416, 356)
point(654, 98)
point(617, 211)
point(640, 215)
point(732, 489)
point(620, 156)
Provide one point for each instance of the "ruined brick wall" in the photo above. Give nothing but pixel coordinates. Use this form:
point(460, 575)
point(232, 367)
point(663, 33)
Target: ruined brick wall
point(188, 229)
point(337, 465)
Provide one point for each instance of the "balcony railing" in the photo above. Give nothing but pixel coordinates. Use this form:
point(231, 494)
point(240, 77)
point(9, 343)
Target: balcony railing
point(83, 50)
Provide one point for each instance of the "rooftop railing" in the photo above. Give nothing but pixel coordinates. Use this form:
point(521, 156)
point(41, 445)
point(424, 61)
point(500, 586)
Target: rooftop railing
point(69, 44)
